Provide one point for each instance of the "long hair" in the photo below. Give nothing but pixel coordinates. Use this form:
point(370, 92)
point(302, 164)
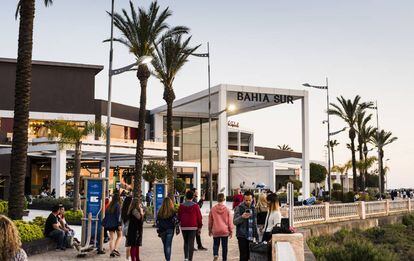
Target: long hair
point(9, 239)
point(116, 200)
point(273, 202)
point(261, 202)
point(167, 209)
point(125, 208)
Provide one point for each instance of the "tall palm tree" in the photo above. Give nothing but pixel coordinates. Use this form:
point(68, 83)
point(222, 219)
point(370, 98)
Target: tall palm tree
point(380, 140)
point(70, 134)
point(365, 134)
point(332, 145)
point(169, 57)
point(348, 111)
point(284, 147)
point(362, 121)
point(140, 30)
point(18, 165)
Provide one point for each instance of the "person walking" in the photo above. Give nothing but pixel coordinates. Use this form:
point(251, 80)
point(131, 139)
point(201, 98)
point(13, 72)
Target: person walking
point(200, 203)
point(112, 223)
point(189, 215)
point(167, 221)
point(273, 216)
point(238, 198)
point(220, 226)
point(125, 221)
point(10, 244)
point(135, 223)
point(261, 208)
point(245, 221)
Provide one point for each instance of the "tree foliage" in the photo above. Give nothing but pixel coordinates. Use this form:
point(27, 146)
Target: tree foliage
point(317, 173)
point(155, 171)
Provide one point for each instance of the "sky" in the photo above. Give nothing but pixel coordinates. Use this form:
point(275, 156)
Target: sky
point(364, 47)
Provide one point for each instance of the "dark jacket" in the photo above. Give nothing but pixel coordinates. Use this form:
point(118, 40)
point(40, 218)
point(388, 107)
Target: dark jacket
point(113, 219)
point(167, 223)
point(134, 235)
point(242, 225)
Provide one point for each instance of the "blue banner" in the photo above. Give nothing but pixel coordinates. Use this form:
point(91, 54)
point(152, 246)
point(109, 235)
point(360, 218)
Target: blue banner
point(159, 196)
point(93, 203)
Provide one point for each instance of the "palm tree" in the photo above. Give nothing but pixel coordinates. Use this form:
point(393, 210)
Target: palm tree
point(365, 134)
point(348, 111)
point(362, 121)
point(381, 139)
point(140, 31)
point(18, 165)
point(332, 145)
point(284, 147)
point(343, 169)
point(72, 134)
point(169, 57)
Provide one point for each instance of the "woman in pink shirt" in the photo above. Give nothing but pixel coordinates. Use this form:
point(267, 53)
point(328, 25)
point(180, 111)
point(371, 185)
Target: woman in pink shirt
point(220, 226)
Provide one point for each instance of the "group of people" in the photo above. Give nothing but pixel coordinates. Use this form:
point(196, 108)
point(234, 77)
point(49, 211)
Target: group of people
point(402, 193)
point(253, 220)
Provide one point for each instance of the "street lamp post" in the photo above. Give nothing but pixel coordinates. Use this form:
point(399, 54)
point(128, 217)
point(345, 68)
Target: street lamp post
point(326, 87)
point(379, 151)
point(210, 185)
point(111, 72)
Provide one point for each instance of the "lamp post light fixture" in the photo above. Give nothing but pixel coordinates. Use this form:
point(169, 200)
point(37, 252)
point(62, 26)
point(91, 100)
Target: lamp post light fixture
point(379, 150)
point(325, 87)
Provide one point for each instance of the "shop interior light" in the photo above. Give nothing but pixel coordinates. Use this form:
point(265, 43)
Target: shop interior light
point(231, 108)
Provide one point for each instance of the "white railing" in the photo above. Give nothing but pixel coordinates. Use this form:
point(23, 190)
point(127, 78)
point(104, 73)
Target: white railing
point(346, 210)
point(324, 213)
point(309, 214)
point(398, 205)
point(375, 207)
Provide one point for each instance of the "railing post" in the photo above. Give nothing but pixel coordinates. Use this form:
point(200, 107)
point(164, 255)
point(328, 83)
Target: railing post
point(326, 211)
point(361, 211)
point(387, 206)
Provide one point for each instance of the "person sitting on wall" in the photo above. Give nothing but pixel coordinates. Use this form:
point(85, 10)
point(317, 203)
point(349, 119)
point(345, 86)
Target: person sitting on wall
point(54, 230)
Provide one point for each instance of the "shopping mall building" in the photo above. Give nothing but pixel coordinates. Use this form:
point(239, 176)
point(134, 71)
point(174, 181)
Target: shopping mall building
point(65, 91)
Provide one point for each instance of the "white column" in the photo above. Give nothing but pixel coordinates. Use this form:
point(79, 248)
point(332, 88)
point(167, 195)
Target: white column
point(158, 127)
point(197, 177)
point(272, 186)
point(58, 173)
point(305, 147)
point(223, 143)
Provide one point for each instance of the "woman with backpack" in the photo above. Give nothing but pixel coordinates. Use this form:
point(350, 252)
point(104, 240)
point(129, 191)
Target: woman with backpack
point(167, 223)
point(135, 223)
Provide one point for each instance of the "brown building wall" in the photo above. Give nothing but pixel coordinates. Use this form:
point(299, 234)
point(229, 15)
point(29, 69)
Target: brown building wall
point(56, 87)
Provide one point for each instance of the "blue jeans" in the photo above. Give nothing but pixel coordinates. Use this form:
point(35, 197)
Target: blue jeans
point(167, 242)
point(224, 243)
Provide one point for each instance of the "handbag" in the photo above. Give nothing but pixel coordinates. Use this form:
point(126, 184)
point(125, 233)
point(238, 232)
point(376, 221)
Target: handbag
point(282, 228)
point(258, 247)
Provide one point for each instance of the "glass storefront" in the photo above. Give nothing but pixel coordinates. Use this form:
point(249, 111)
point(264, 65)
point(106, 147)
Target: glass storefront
point(191, 136)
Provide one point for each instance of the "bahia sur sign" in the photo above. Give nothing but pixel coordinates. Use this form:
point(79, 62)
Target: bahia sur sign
point(263, 97)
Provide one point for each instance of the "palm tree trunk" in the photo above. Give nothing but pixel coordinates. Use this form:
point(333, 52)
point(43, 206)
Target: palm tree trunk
point(361, 159)
point(169, 97)
point(143, 74)
point(382, 172)
point(354, 172)
point(76, 175)
point(333, 157)
point(18, 165)
point(365, 165)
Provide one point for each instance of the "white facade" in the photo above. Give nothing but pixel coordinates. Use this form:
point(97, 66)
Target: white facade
point(244, 99)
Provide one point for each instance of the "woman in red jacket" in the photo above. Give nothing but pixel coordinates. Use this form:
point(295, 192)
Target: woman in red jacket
point(191, 223)
point(220, 226)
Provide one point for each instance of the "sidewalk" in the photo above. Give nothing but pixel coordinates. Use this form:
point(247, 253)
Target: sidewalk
point(152, 248)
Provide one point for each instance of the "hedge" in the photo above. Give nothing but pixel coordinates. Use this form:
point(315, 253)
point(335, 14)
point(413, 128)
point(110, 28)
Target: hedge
point(28, 232)
point(73, 217)
point(4, 206)
point(49, 203)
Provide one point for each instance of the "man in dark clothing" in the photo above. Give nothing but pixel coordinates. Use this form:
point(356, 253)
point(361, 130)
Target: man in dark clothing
point(200, 204)
point(245, 220)
point(53, 229)
point(191, 223)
